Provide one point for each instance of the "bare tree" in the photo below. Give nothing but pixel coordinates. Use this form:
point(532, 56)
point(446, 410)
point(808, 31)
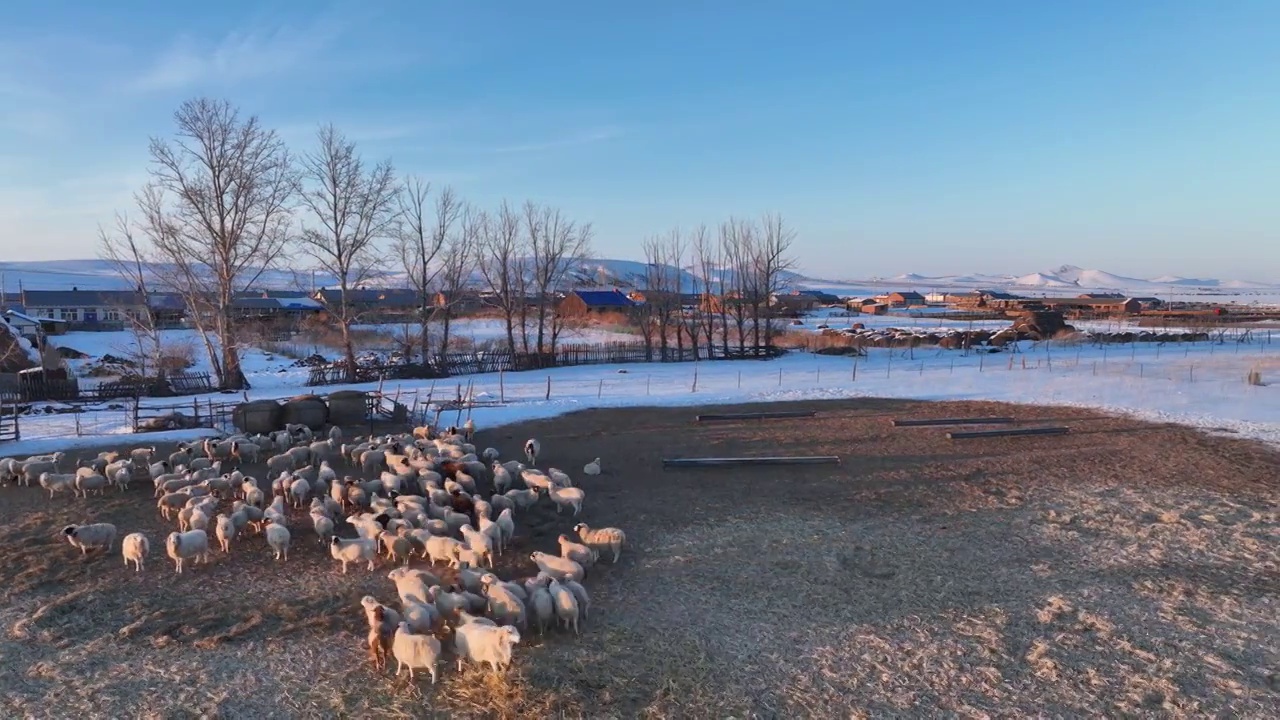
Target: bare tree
point(674, 263)
point(122, 250)
point(772, 260)
point(458, 261)
point(736, 239)
point(217, 212)
point(420, 241)
point(353, 208)
point(646, 313)
point(557, 244)
point(690, 319)
point(501, 264)
point(708, 257)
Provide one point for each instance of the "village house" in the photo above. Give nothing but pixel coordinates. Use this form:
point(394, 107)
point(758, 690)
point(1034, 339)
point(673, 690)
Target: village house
point(578, 303)
point(909, 298)
point(382, 302)
point(1085, 307)
point(465, 301)
point(986, 300)
point(792, 303)
point(1150, 303)
point(85, 309)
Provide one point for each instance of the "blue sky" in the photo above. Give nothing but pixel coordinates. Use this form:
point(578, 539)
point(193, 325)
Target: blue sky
point(1138, 137)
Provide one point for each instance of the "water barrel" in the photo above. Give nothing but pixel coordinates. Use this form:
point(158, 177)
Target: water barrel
point(348, 407)
point(259, 416)
point(306, 410)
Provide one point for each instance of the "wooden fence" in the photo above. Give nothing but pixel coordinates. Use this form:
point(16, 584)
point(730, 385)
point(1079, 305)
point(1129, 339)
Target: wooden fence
point(180, 416)
point(453, 364)
point(9, 429)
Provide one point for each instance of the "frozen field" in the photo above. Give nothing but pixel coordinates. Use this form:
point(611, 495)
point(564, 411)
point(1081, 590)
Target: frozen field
point(1201, 385)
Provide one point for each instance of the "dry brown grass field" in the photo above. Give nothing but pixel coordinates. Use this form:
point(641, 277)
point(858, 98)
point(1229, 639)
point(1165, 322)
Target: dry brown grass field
point(1124, 570)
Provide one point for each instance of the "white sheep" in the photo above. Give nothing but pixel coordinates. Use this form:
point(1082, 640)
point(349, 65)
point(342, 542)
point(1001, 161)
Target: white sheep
point(225, 530)
point(56, 483)
point(543, 607)
point(91, 537)
point(567, 497)
point(535, 479)
point(566, 605)
point(481, 643)
point(559, 477)
point(415, 652)
point(504, 606)
point(580, 593)
point(135, 547)
point(421, 618)
point(89, 481)
point(478, 542)
point(349, 550)
point(557, 567)
point(532, 448)
point(299, 489)
point(523, 499)
point(577, 552)
point(323, 525)
point(413, 585)
point(277, 464)
point(592, 468)
point(182, 546)
point(609, 538)
point(278, 538)
point(493, 530)
point(438, 548)
point(491, 454)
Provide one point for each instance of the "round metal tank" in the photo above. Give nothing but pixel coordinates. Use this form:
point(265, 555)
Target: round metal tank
point(348, 407)
point(259, 416)
point(306, 410)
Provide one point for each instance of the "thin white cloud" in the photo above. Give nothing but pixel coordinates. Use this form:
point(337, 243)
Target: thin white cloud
point(583, 138)
point(239, 56)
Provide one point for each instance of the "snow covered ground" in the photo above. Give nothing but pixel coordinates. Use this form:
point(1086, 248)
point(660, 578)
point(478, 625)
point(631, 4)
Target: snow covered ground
point(1201, 385)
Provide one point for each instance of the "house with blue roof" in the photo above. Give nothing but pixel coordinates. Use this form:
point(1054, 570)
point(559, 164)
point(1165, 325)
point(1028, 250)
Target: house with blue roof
point(585, 302)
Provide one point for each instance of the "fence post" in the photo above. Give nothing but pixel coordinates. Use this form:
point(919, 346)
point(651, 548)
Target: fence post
point(502, 386)
point(77, 414)
point(548, 387)
point(195, 404)
point(888, 368)
point(854, 377)
point(600, 390)
point(739, 379)
point(819, 374)
point(648, 380)
point(779, 377)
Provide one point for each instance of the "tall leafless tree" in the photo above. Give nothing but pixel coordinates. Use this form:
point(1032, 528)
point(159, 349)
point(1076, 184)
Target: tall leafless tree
point(674, 263)
point(646, 313)
point(457, 262)
point(736, 239)
point(121, 249)
point(557, 245)
point(500, 262)
point(421, 238)
point(351, 208)
point(708, 255)
point(772, 260)
point(217, 213)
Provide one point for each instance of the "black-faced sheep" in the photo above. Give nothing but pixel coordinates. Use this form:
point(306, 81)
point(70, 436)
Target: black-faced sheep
point(97, 536)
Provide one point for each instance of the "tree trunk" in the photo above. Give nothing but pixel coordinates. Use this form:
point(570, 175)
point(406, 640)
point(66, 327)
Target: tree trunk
point(348, 348)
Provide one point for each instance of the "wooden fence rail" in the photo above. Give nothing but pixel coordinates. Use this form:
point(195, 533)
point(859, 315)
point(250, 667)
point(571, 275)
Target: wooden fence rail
point(452, 364)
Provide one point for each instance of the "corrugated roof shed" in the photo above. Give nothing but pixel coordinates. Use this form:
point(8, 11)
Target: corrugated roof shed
point(603, 298)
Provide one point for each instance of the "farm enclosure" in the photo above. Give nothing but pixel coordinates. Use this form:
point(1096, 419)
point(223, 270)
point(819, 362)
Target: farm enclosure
point(1125, 568)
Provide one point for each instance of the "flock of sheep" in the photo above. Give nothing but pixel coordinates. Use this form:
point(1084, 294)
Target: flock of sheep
point(412, 495)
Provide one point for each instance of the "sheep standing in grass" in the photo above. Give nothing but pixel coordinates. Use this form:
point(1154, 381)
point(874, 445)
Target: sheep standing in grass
point(609, 538)
point(567, 497)
point(481, 643)
point(532, 448)
point(278, 538)
point(97, 536)
point(135, 547)
point(183, 546)
point(557, 567)
point(592, 468)
point(415, 652)
point(566, 605)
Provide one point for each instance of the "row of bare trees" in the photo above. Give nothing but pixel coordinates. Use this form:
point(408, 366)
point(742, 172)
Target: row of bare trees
point(228, 201)
point(726, 299)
